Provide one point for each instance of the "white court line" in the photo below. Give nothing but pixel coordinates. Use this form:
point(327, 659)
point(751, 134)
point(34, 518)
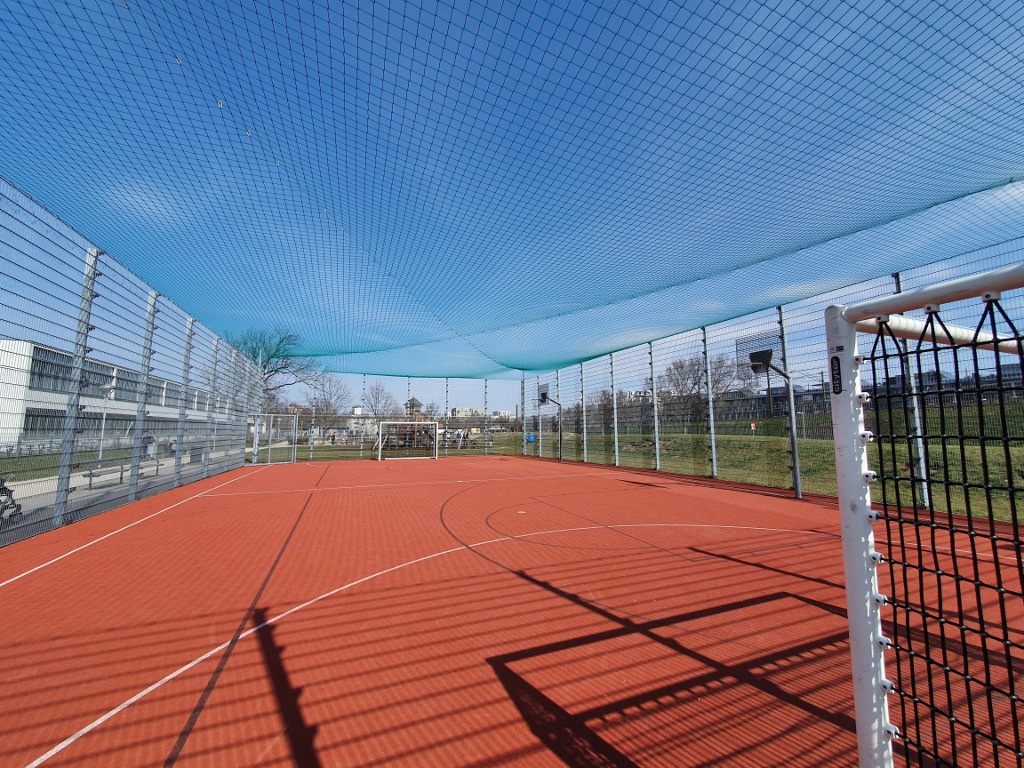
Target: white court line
point(181, 670)
point(125, 528)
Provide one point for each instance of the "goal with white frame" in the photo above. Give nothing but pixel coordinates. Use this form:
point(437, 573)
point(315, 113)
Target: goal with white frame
point(932, 416)
point(407, 440)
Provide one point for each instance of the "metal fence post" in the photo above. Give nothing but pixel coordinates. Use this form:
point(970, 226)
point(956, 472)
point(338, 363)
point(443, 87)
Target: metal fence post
point(583, 409)
point(232, 406)
point(914, 407)
point(486, 423)
point(654, 401)
point(615, 409)
point(711, 402)
point(540, 425)
point(558, 399)
point(794, 451)
point(446, 416)
point(209, 412)
point(522, 397)
point(186, 366)
point(67, 441)
point(140, 411)
point(362, 421)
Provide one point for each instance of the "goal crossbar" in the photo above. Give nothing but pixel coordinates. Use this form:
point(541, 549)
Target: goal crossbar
point(909, 453)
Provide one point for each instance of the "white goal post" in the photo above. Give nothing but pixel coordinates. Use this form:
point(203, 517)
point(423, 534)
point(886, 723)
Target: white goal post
point(407, 440)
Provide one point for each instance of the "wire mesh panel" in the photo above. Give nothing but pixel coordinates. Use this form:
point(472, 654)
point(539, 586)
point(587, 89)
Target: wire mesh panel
point(635, 407)
point(548, 415)
point(808, 365)
point(107, 387)
point(466, 423)
point(600, 412)
point(504, 417)
point(568, 390)
point(683, 408)
point(751, 415)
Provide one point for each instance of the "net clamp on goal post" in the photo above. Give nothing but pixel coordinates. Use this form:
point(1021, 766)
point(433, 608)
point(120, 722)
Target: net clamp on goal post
point(868, 643)
point(407, 440)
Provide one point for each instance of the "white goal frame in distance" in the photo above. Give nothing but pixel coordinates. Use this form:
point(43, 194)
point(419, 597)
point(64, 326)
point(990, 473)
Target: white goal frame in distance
point(419, 424)
point(860, 560)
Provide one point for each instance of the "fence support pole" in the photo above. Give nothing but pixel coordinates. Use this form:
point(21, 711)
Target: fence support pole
point(540, 425)
point(914, 408)
point(140, 410)
point(654, 401)
point(362, 420)
point(583, 410)
point(522, 397)
point(794, 452)
point(711, 402)
point(446, 417)
point(210, 396)
point(615, 409)
point(487, 434)
point(232, 408)
point(558, 399)
point(182, 399)
point(867, 642)
point(67, 441)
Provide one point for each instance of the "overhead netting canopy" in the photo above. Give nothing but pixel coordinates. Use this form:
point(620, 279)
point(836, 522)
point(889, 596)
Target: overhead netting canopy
point(472, 188)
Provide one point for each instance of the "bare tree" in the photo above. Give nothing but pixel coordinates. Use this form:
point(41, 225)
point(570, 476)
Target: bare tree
point(330, 399)
point(380, 402)
point(432, 411)
point(274, 351)
point(683, 385)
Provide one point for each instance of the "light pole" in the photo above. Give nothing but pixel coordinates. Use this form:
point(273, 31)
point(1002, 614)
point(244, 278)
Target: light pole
point(108, 393)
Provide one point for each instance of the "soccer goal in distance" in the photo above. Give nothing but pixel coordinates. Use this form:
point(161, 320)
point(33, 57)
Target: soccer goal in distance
point(407, 440)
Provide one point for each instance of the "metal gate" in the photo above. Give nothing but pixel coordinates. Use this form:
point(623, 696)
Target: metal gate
point(274, 438)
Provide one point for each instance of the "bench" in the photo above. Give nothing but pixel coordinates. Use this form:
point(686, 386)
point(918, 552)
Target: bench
point(101, 468)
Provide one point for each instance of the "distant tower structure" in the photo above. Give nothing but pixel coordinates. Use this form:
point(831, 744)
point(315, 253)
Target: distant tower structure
point(414, 409)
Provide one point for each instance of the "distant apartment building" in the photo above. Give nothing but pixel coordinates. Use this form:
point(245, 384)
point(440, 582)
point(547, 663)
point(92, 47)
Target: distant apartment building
point(34, 385)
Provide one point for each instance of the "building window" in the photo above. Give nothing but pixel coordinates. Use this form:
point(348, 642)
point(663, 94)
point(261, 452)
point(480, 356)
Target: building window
point(51, 370)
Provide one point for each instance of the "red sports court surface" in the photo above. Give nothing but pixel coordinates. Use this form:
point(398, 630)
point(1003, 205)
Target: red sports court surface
point(461, 612)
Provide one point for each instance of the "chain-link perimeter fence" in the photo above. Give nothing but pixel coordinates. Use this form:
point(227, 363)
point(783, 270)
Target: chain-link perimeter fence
point(692, 403)
point(108, 391)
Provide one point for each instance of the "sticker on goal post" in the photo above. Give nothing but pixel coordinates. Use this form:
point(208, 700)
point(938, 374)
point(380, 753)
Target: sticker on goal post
point(837, 375)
